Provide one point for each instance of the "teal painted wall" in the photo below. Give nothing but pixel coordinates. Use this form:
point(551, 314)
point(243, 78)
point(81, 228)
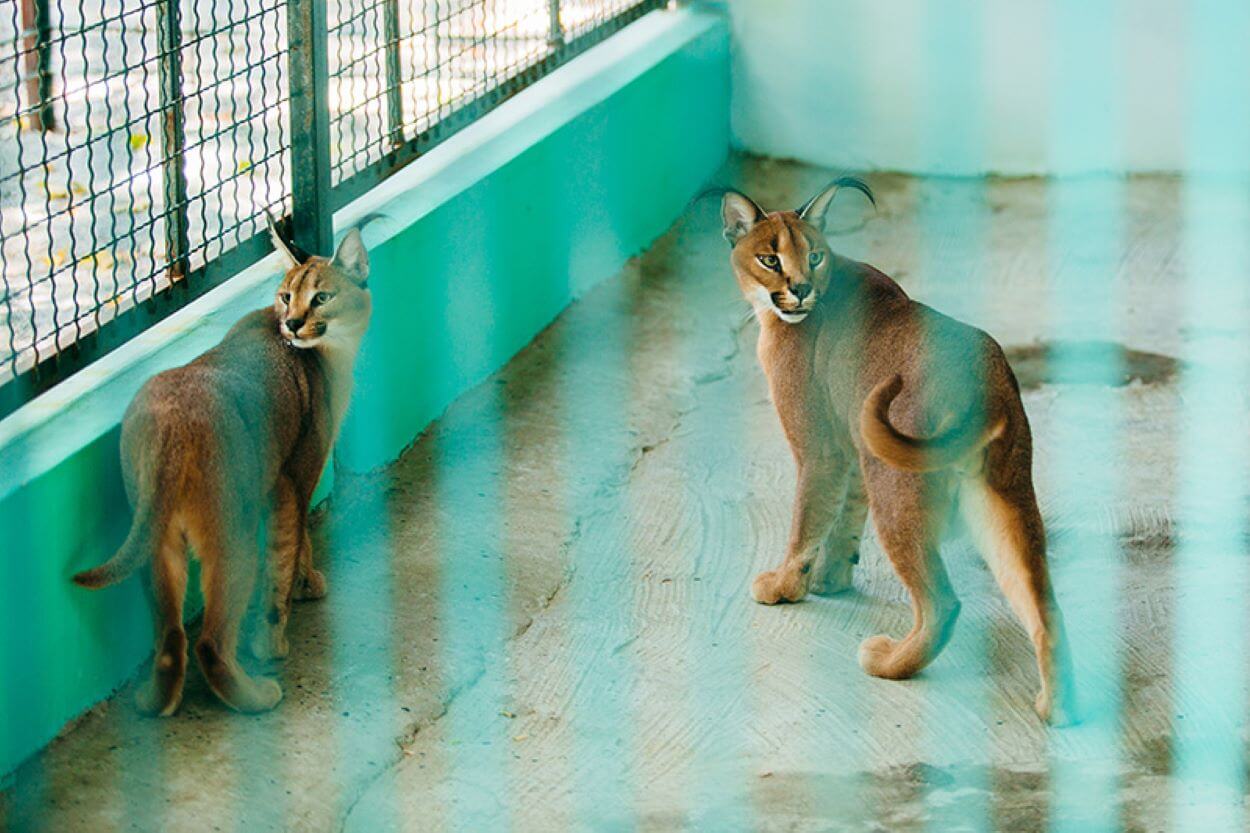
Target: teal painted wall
point(61, 649)
point(481, 274)
point(457, 291)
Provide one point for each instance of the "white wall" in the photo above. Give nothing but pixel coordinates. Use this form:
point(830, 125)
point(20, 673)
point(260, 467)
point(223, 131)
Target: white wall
point(974, 86)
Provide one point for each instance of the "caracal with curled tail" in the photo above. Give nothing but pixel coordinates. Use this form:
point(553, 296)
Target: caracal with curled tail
point(237, 438)
point(890, 405)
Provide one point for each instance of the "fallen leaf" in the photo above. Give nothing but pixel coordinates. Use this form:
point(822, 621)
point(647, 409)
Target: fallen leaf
point(101, 260)
point(138, 141)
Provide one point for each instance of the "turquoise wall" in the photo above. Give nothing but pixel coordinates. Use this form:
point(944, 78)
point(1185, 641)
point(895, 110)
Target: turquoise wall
point(486, 270)
point(459, 286)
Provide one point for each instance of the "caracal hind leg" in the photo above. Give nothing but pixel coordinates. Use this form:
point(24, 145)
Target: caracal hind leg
point(908, 511)
point(1008, 532)
point(840, 551)
point(813, 517)
point(229, 571)
point(161, 693)
point(285, 540)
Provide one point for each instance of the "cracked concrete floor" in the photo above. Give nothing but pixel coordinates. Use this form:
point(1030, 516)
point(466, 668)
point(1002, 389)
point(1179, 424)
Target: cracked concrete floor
point(539, 615)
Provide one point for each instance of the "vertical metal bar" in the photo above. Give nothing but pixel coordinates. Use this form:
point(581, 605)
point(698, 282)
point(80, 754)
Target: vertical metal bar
point(173, 136)
point(311, 221)
point(435, 67)
point(37, 43)
point(394, 100)
point(555, 35)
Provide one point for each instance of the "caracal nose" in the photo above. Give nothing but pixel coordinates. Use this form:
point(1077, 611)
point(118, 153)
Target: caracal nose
point(293, 324)
point(801, 290)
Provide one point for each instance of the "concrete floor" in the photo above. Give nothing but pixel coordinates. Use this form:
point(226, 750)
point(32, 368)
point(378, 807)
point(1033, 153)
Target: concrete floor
point(539, 617)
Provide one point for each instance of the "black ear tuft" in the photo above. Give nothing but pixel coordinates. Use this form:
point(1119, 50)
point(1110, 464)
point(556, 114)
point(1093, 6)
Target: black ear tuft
point(814, 210)
point(300, 255)
point(292, 254)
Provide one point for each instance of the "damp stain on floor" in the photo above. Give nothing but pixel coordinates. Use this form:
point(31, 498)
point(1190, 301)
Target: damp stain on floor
point(1102, 363)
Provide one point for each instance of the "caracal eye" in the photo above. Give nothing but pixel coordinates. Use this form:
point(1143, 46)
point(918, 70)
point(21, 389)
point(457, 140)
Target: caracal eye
point(284, 297)
point(815, 258)
point(322, 298)
point(770, 261)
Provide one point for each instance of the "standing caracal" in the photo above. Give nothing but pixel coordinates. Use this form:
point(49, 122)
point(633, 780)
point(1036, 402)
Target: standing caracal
point(215, 448)
point(859, 373)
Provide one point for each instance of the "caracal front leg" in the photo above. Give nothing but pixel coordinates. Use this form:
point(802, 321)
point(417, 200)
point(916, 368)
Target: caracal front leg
point(840, 552)
point(286, 537)
point(310, 583)
point(306, 468)
point(814, 514)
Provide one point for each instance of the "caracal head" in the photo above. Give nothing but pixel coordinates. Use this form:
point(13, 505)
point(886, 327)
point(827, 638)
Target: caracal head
point(781, 258)
point(323, 302)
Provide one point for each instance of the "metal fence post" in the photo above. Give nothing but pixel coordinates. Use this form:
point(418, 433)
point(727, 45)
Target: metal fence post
point(37, 23)
point(394, 98)
point(173, 136)
point(312, 226)
point(555, 35)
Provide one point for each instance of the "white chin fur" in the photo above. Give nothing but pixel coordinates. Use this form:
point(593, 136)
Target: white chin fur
point(761, 302)
point(790, 317)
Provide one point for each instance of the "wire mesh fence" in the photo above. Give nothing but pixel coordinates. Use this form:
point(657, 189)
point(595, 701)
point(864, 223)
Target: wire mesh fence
point(142, 142)
point(398, 69)
point(405, 74)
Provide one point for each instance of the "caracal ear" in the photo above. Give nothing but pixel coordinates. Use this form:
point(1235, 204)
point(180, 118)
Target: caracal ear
point(814, 210)
point(739, 213)
point(351, 258)
point(279, 245)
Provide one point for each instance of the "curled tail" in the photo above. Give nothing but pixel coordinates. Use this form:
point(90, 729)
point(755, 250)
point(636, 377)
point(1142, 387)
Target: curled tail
point(134, 551)
point(892, 446)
